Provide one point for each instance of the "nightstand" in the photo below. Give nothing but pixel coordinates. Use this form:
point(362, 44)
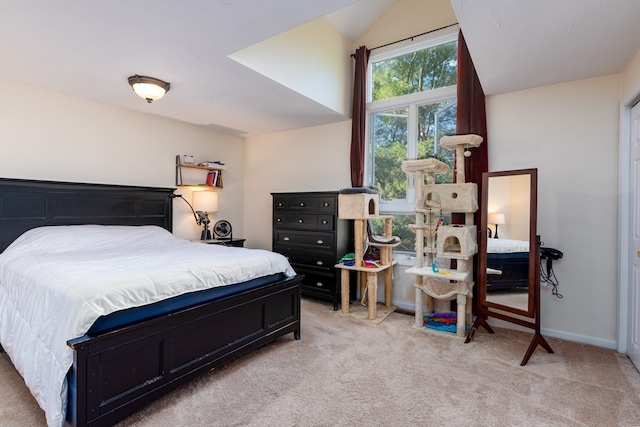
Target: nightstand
point(239, 243)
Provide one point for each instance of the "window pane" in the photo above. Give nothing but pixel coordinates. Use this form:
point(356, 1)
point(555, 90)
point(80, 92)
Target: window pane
point(389, 137)
point(412, 130)
point(419, 71)
point(434, 122)
point(401, 229)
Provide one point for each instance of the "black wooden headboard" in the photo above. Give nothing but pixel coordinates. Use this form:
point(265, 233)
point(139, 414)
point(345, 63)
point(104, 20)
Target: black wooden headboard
point(26, 204)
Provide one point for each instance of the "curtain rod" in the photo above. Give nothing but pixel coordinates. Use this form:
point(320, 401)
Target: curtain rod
point(410, 38)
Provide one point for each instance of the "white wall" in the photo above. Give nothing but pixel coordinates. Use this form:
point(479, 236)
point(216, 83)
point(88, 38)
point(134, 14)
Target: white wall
point(303, 57)
point(631, 77)
point(311, 159)
point(50, 136)
point(570, 133)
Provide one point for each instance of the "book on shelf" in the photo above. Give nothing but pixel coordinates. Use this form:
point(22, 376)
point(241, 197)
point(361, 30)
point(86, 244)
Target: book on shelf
point(214, 179)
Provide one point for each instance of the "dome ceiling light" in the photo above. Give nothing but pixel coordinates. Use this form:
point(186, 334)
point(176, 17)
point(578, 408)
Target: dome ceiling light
point(148, 88)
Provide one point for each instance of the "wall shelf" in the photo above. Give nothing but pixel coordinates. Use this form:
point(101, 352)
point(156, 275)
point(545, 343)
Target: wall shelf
point(204, 176)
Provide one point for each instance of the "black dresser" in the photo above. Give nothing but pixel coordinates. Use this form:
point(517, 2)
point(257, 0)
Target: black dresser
point(306, 230)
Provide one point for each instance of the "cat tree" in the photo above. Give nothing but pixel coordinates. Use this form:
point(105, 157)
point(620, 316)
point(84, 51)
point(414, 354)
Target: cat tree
point(361, 208)
point(444, 242)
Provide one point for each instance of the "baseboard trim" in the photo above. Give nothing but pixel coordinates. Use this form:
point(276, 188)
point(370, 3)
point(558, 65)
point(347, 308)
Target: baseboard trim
point(584, 339)
point(409, 309)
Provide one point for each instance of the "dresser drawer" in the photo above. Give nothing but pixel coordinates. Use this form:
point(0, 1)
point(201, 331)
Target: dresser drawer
point(317, 204)
point(299, 221)
point(280, 203)
point(279, 219)
point(317, 284)
point(317, 259)
point(328, 205)
point(290, 239)
point(326, 222)
point(302, 221)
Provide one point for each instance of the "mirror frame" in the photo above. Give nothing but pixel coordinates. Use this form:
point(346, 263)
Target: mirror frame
point(533, 269)
point(485, 309)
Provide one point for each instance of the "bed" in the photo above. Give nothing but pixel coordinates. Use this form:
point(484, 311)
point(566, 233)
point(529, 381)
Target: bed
point(112, 362)
point(507, 264)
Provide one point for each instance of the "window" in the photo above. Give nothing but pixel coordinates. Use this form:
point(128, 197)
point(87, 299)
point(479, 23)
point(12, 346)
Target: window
point(412, 104)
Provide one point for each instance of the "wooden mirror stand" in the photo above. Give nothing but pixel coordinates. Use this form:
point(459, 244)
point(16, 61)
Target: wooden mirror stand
point(508, 282)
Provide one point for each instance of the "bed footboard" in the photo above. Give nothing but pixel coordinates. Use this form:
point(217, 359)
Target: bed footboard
point(117, 373)
point(514, 268)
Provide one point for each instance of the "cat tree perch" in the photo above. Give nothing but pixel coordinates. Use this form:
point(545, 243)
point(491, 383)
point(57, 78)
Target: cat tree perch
point(447, 242)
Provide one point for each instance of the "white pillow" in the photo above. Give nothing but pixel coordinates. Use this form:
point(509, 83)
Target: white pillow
point(66, 238)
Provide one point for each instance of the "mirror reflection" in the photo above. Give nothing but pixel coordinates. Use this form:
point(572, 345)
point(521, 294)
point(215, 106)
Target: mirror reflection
point(507, 249)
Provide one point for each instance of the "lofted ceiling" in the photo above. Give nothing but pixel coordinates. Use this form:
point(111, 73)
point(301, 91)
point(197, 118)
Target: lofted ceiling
point(522, 44)
point(89, 48)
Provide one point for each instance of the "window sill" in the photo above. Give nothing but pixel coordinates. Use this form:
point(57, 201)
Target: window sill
point(406, 259)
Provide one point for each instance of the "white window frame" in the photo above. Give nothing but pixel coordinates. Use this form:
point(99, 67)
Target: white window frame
point(410, 101)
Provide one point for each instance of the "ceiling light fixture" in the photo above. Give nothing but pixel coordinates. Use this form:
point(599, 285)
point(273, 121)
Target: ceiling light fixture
point(148, 88)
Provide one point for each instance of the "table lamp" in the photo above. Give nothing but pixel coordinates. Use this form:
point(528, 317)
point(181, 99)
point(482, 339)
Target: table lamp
point(496, 219)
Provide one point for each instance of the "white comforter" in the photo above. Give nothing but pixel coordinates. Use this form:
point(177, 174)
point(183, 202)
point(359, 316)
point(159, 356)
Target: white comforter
point(56, 281)
point(504, 246)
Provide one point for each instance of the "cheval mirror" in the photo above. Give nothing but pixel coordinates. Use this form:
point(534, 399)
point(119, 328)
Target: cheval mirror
point(508, 282)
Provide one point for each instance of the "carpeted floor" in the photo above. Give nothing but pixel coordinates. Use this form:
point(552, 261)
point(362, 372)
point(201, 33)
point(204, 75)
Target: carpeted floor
point(349, 373)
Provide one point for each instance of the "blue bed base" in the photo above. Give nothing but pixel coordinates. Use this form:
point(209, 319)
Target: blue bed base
point(133, 315)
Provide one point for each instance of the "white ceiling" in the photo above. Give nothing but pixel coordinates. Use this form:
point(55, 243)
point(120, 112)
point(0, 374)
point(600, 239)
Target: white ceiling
point(522, 44)
point(89, 48)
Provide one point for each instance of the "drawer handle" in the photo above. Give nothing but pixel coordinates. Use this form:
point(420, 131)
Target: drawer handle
point(280, 205)
point(301, 205)
point(326, 204)
point(278, 220)
point(300, 221)
point(325, 222)
point(286, 239)
point(319, 284)
point(319, 263)
point(320, 242)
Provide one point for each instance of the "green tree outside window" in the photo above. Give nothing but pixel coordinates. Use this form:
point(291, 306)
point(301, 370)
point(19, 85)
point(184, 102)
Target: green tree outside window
point(414, 124)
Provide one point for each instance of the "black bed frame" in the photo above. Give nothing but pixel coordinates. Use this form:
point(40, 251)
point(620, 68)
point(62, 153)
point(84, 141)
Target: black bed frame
point(117, 373)
point(514, 268)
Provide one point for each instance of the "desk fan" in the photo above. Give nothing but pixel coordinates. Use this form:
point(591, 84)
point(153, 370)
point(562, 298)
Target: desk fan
point(222, 230)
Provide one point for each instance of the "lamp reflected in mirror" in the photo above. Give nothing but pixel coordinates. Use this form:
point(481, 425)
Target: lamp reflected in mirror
point(496, 219)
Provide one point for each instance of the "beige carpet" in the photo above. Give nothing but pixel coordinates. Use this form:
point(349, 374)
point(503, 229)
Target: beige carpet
point(347, 373)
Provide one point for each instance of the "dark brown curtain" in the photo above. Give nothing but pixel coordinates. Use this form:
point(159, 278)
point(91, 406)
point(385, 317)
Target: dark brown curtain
point(359, 116)
point(471, 117)
point(471, 114)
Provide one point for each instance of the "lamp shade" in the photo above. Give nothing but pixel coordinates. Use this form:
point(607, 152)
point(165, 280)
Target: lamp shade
point(205, 201)
point(495, 218)
point(148, 88)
